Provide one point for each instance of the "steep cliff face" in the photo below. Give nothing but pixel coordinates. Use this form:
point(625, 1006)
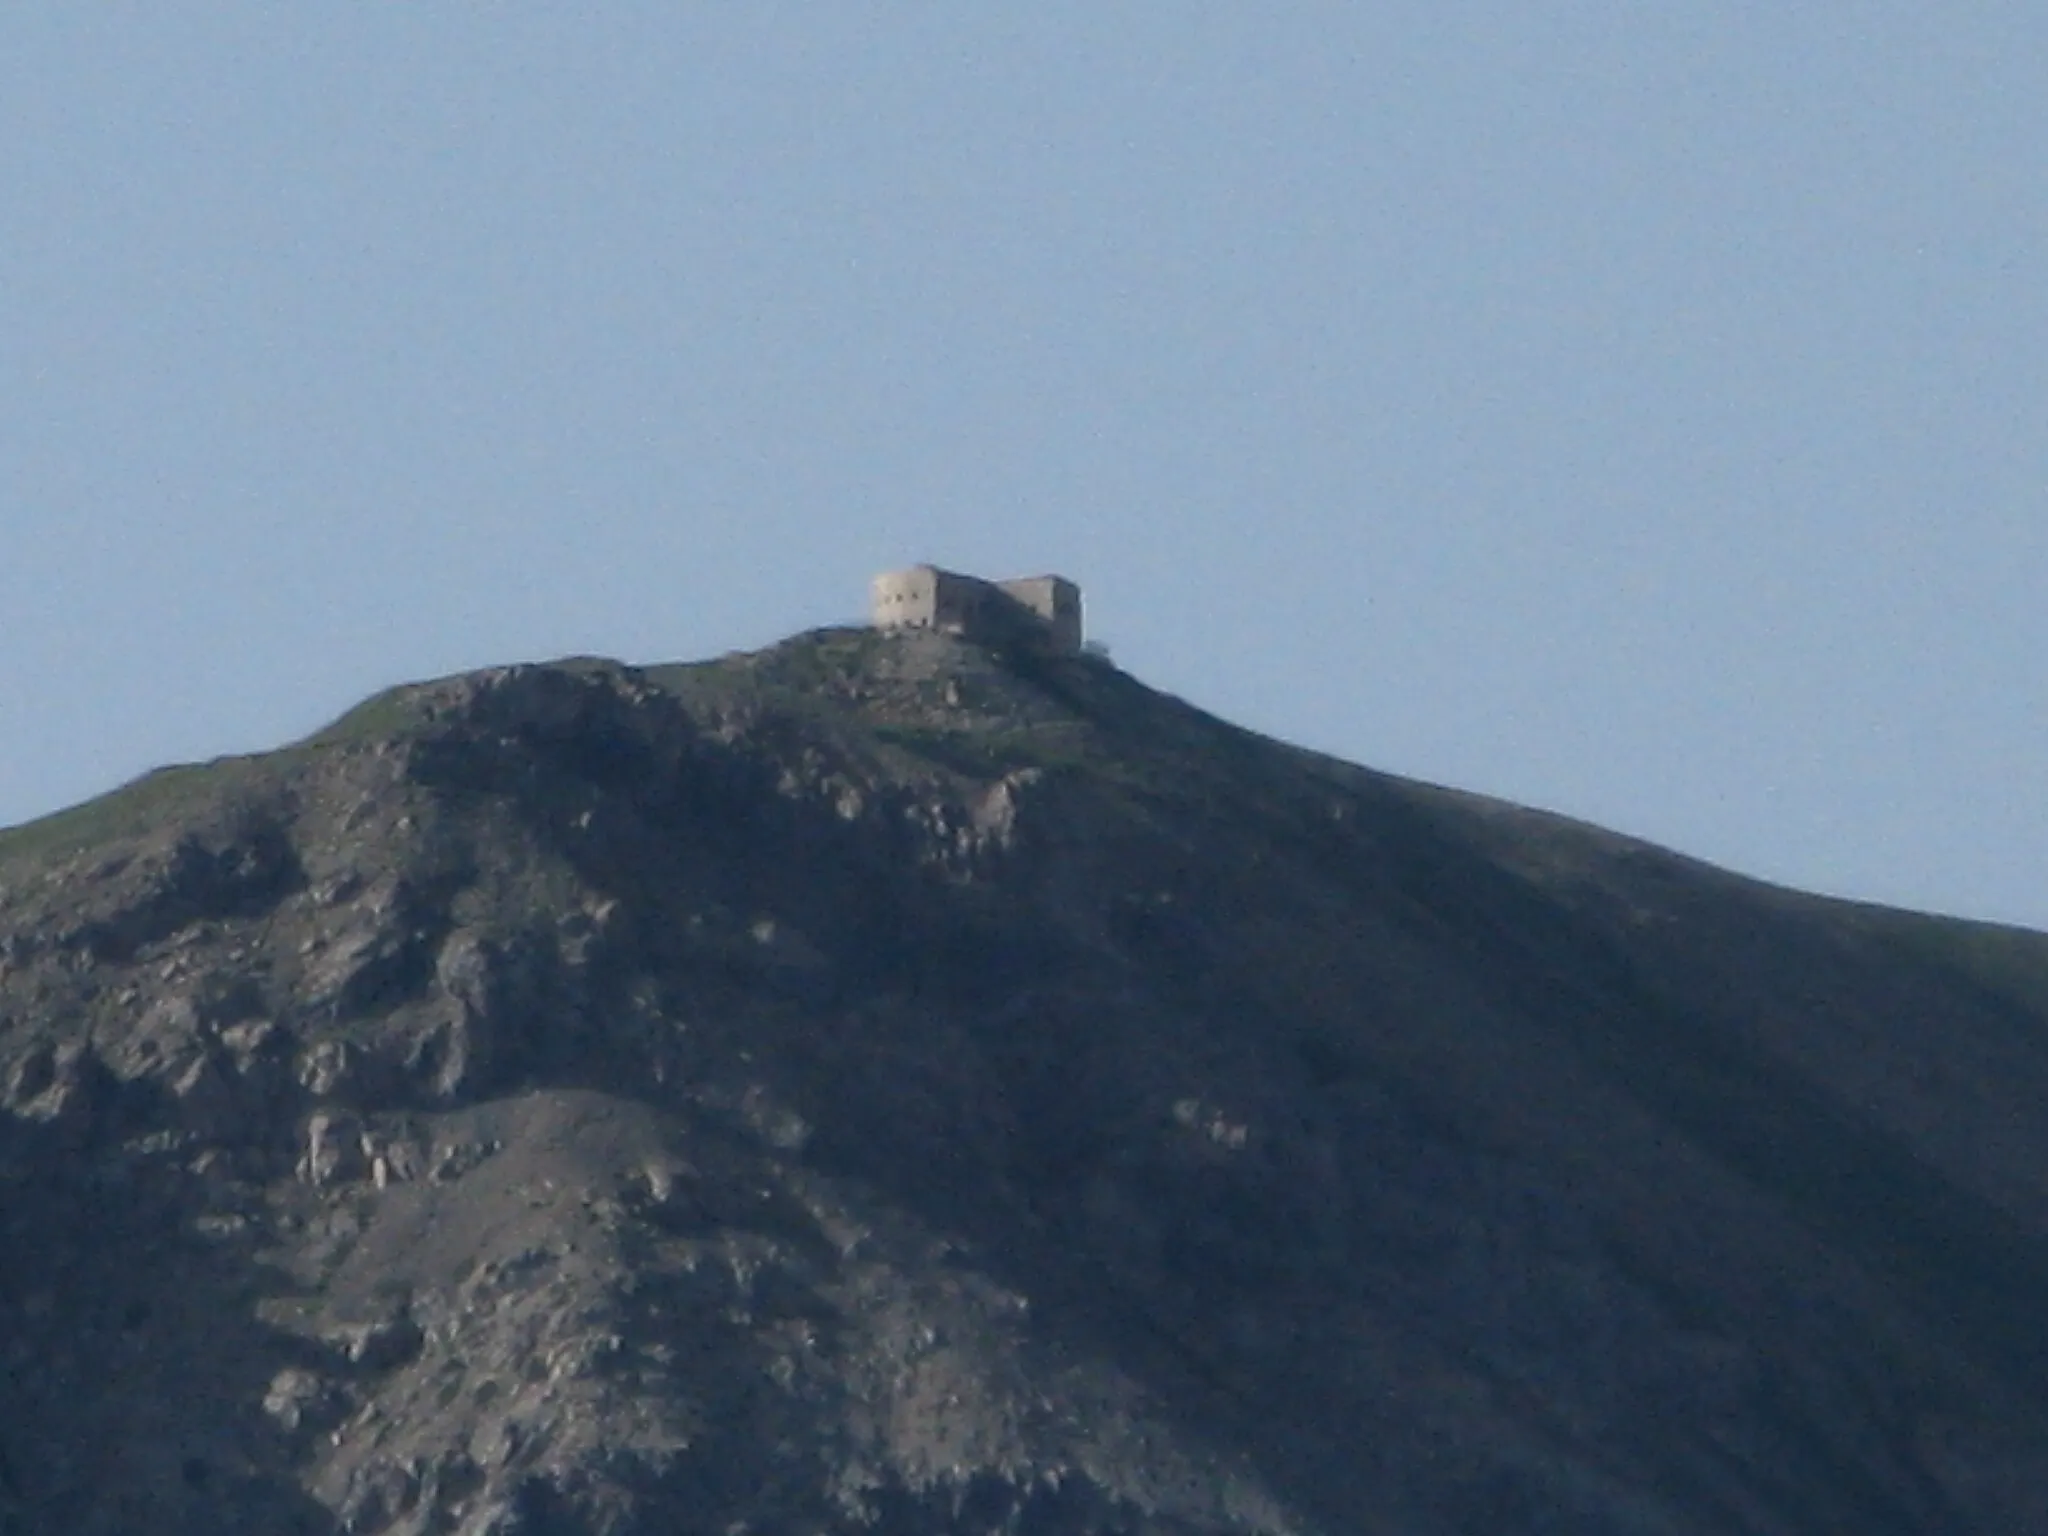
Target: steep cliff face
point(879, 1083)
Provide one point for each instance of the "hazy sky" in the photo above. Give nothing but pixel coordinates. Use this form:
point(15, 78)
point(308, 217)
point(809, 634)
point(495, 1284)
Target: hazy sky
point(1635, 410)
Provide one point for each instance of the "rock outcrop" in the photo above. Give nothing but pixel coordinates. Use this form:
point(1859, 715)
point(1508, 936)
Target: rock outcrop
point(885, 1084)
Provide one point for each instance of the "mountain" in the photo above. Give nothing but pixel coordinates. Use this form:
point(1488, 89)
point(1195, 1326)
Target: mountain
point(886, 1083)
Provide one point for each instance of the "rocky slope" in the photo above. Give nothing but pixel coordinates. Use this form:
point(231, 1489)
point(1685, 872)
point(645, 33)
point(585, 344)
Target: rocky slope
point(882, 1084)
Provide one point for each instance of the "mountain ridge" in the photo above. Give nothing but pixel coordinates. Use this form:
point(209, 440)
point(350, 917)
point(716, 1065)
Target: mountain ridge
point(1266, 1143)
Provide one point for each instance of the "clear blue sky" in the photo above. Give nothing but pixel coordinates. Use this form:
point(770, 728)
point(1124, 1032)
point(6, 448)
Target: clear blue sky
point(1639, 411)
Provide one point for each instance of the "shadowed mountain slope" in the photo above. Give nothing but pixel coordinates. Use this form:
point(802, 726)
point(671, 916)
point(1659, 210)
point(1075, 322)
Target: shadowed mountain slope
point(883, 1083)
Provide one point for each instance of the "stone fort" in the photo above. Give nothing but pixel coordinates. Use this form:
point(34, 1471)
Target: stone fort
point(1044, 610)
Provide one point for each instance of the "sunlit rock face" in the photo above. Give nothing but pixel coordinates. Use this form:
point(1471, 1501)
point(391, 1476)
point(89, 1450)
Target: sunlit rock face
point(895, 1082)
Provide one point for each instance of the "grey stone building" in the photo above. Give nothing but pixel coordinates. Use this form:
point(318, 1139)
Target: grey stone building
point(1045, 609)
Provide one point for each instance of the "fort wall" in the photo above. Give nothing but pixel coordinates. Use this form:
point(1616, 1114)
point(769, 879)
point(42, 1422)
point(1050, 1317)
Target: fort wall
point(1045, 610)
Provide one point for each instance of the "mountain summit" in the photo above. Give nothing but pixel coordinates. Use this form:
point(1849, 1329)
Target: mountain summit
point(893, 1082)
